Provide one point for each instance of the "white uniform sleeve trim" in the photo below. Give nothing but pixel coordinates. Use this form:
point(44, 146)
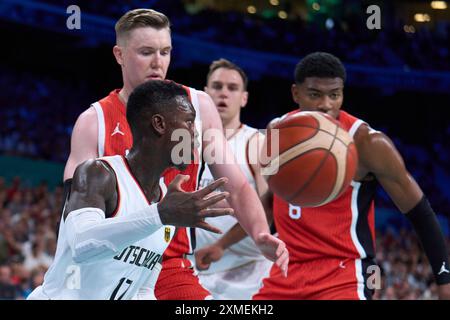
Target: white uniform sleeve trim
point(101, 128)
point(355, 127)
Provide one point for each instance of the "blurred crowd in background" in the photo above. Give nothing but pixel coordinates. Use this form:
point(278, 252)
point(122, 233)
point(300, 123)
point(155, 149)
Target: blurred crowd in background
point(337, 29)
point(28, 222)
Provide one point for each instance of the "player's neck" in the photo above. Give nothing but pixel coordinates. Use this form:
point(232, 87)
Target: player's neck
point(124, 93)
point(139, 164)
point(231, 127)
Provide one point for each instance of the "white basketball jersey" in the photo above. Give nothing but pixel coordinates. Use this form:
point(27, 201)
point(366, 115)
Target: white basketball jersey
point(121, 275)
point(245, 250)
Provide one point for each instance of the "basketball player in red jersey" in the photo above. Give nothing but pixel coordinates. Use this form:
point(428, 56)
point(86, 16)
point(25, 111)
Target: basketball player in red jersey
point(332, 246)
point(143, 51)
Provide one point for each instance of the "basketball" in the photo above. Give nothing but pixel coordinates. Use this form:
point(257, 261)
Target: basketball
point(315, 162)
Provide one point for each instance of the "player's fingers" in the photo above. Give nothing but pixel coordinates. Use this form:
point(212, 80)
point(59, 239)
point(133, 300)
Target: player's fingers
point(211, 187)
point(204, 262)
point(207, 260)
point(215, 212)
point(214, 199)
point(280, 249)
point(203, 266)
point(176, 183)
point(283, 262)
point(206, 226)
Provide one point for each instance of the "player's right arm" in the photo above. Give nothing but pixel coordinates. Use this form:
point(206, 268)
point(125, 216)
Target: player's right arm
point(93, 234)
point(90, 231)
point(378, 155)
point(214, 252)
point(84, 141)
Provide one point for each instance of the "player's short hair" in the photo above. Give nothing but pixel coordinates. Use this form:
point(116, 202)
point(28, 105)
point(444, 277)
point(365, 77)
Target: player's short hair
point(319, 65)
point(224, 63)
point(139, 18)
point(152, 97)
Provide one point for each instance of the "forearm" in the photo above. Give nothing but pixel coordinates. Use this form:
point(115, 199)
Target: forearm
point(249, 210)
point(237, 233)
point(93, 237)
point(432, 239)
point(234, 235)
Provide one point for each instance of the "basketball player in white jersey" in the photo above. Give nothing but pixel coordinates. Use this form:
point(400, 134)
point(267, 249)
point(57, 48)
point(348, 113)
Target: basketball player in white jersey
point(143, 51)
point(114, 233)
point(237, 271)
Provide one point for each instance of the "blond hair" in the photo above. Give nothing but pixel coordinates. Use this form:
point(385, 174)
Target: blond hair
point(139, 18)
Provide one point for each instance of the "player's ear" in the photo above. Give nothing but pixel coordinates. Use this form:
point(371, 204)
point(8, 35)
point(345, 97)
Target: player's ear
point(159, 124)
point(295, 92)
point(244, 99)
point(118, 54)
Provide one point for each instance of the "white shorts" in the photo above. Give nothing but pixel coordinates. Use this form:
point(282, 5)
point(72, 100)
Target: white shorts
point(240, 283)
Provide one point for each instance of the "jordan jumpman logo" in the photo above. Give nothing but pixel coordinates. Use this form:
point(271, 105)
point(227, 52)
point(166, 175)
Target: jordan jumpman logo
point(443, 269)
point(117, 130)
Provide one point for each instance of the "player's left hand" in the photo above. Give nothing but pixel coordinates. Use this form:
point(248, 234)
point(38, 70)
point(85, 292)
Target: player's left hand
point(444, 292)
point(274, 249)
point(207, 255)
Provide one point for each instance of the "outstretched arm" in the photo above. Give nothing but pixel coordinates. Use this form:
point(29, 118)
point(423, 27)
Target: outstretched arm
point(92, 234)
point(90, 231)
point(243, 198)
point(377, 154)
point(214, 252)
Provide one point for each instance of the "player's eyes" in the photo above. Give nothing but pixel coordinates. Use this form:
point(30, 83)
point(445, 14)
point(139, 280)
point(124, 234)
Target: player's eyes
point(335, 96)
point(313, 95)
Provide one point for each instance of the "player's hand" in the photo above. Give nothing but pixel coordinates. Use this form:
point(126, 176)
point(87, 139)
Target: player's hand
point(206, 255)
point(444, 291)
point(189, 209)
point(274, 249)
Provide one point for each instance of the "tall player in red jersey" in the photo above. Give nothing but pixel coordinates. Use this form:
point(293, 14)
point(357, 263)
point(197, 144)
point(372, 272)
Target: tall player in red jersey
point(332, 246)
point(143, 51)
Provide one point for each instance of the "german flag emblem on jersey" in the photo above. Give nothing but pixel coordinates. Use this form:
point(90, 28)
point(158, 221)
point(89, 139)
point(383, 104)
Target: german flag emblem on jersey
point(167, 234)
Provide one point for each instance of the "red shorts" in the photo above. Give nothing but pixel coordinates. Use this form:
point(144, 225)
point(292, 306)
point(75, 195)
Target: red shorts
point(324, 279)
point(177, 281)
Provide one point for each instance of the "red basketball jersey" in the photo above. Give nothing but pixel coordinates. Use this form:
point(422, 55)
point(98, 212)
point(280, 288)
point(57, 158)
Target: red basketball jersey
point(115, 138)
point(343, 228)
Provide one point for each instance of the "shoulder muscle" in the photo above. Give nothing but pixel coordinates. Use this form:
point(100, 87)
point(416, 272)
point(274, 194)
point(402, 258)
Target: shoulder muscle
point(93, 184)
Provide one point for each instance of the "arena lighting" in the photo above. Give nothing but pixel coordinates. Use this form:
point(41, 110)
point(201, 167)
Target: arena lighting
point(316, 6)
point(276, 2)
point(409, 29)
point(422, 17)
point(329, 23)
point(282, 14)
point(439, 5)
point(251, 9)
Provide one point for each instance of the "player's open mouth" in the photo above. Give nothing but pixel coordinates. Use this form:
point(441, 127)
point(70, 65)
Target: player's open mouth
point(222, 105)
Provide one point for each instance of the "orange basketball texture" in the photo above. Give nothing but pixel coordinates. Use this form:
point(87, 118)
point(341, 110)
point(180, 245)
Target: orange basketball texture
point(316, 162)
